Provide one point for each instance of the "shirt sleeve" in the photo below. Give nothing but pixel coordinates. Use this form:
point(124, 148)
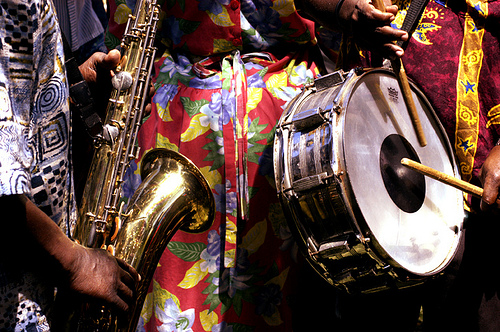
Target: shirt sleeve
point(17, 91)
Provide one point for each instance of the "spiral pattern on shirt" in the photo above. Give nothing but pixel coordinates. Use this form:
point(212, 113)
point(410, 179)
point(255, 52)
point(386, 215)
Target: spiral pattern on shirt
point(51, 96)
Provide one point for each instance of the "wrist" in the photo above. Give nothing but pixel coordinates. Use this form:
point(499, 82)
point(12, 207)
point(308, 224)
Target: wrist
point(338, 21)
point(57, 251)
point(344, 12)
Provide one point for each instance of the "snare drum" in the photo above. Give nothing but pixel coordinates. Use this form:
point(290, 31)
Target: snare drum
point(365, 222)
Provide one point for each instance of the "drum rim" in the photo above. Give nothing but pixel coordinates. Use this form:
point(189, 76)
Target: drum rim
point(362, 231)
point(363, 225)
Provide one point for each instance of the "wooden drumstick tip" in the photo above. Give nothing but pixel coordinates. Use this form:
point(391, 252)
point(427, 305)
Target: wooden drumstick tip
point(379, 4)
point(443, 177)
point(400, 72)
point(397, 66)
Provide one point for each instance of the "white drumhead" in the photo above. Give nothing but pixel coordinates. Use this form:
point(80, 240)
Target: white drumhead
point(422, 240)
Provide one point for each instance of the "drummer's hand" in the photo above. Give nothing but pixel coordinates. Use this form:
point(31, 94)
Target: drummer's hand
point(371, 28)
point(490, 178)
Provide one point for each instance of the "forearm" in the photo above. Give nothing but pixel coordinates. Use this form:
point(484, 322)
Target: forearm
point(323, 12)
point(340, 14)
point(93, 273)
point(44, 244)
point(368, 26)
point(49, 237)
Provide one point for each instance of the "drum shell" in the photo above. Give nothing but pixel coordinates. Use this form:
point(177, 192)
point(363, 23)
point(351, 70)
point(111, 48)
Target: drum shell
point(314, 187)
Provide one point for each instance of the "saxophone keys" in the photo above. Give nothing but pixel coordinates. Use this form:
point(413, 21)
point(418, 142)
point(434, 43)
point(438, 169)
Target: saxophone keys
point(122, 80)
point(111, 249)
point(115, 228)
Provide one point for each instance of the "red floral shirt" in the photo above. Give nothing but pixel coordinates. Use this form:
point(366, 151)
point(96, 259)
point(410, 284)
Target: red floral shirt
point(206, 27)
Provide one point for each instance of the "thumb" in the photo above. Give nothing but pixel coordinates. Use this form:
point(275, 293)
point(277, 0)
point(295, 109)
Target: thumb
point(110, 60)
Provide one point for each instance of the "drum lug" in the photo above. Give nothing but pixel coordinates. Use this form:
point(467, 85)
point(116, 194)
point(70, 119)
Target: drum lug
point(310, 182)
point(339, 246)
point(348, 79)
point(329, 80)
point(339, 176)
point(311, 247)
point(309, 119)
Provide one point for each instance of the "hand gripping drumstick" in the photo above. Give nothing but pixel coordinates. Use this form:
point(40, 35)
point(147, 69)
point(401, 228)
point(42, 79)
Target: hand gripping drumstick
point(400, 72)
point(443, 177)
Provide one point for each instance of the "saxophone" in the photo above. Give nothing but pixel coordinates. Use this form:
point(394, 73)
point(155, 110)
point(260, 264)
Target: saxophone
point(173, 193)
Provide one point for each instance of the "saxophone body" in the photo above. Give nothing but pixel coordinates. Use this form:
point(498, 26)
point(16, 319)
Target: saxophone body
point(173, 194)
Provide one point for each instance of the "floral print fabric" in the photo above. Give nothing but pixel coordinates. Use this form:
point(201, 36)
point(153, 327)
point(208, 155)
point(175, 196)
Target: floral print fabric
point(207, 27)
point(221, 111)
point(237, 274)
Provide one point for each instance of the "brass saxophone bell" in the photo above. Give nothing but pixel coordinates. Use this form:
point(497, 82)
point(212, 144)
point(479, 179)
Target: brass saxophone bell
point(173, 194)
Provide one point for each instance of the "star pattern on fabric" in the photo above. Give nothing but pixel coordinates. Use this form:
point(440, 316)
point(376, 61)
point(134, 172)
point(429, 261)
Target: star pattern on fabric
point(474, 27)
point(469, 87)
point(478, 8)
point(465, 144)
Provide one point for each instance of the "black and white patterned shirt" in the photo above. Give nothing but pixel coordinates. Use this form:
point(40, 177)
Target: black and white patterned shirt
point(34, 140)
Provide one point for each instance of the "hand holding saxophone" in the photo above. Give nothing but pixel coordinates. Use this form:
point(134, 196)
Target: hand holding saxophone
point(97, 72)
point(99, 63)
point(98, 276)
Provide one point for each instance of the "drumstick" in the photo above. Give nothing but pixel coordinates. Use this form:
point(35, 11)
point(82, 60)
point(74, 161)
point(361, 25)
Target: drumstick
point(443, 177)
point(400, 72)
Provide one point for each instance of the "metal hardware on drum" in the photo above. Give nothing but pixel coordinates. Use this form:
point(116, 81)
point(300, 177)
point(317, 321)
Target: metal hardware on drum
point(363, 221)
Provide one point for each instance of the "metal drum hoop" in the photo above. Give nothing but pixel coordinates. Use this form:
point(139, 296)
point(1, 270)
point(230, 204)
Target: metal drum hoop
point(350, 256)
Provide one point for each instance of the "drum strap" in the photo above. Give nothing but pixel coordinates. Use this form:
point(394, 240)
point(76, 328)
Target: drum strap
point(412, 18)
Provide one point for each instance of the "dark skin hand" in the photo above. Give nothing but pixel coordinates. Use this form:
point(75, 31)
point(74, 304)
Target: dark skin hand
point(490, 178)
point(99, 64)
point(94, 275)
point(371, 31)
point(90, 273)
point(97, 71)
point(368, 26)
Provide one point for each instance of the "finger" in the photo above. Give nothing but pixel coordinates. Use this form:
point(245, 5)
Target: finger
point(393, 51)
point(391, 34)
point(117, 302)
point(97, 58)
point(147, 109)
point(125, 293)
point(129, 269)
point(377, 15)
point(110, 60)
point(152, 91)
point(372, 13)
point(393, 9)
point(490, 194)
point(87, 69)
